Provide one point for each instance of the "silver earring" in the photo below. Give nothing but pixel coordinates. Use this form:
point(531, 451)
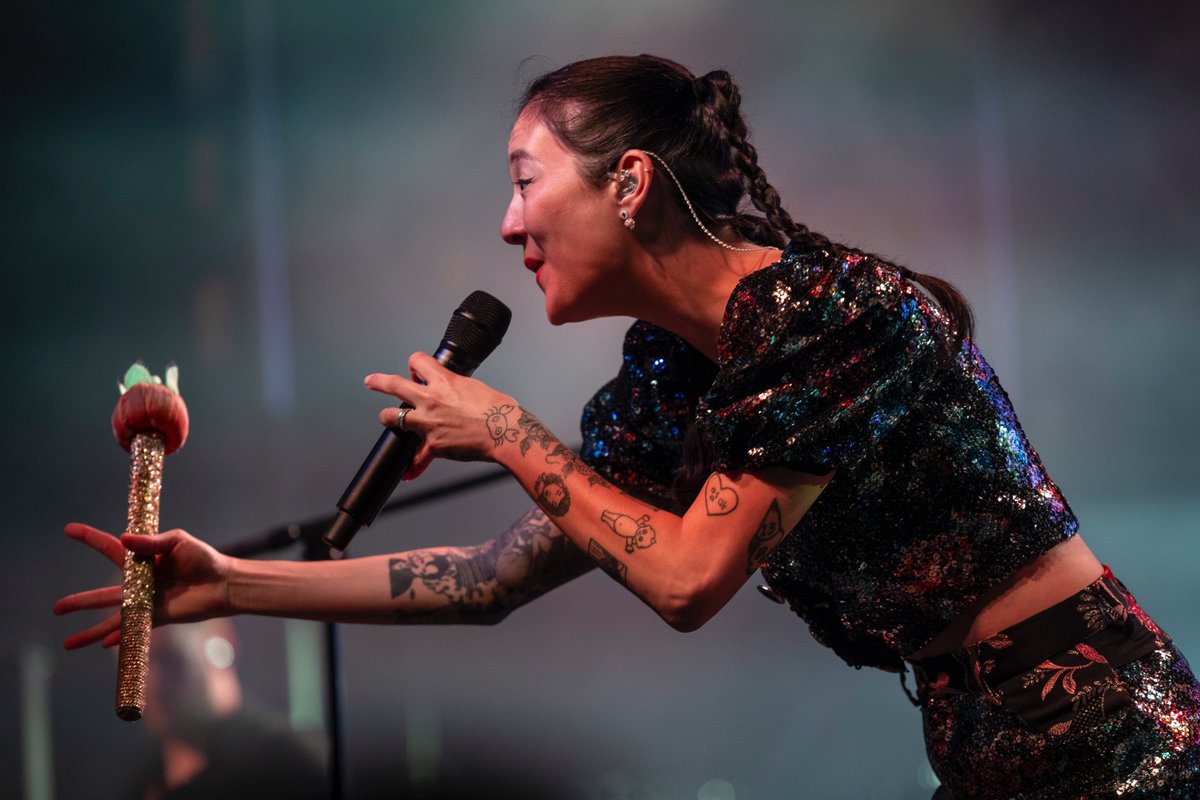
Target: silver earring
point(628, 221)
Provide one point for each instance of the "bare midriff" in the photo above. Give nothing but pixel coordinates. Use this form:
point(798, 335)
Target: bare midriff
point(1052, 577)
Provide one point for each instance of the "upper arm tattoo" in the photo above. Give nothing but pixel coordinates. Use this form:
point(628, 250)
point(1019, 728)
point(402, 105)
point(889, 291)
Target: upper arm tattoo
point(770, 533)
point(719, 499)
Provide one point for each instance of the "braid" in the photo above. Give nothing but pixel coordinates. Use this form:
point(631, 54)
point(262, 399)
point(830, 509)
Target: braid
point(725, 100)
point(720, 97)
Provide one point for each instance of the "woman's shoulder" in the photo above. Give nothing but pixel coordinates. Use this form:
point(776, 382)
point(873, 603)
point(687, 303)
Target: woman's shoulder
point(820, 355)
point(811, 294)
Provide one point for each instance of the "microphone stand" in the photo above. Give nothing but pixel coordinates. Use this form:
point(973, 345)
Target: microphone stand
point(309, 533)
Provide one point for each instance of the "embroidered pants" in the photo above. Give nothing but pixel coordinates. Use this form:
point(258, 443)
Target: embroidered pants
point(1087, 699)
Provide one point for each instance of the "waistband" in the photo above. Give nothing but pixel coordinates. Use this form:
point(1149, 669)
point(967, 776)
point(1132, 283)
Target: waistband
point(1102, 625)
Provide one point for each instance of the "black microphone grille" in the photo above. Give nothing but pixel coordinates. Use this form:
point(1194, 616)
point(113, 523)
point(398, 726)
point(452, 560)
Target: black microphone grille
point(478, 325)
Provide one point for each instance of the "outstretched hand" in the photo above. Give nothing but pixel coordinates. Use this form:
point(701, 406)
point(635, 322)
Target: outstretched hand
point(190, 581)
point(459, 418)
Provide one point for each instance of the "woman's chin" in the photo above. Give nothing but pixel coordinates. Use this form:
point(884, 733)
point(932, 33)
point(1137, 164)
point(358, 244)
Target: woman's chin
point(556, 316)
point(563, 313)
point(557, 313)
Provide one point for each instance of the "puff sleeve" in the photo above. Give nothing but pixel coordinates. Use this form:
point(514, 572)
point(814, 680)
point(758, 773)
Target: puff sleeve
point(820, 359)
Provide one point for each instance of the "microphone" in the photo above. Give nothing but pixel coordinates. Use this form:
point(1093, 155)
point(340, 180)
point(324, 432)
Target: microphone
point(476, 328)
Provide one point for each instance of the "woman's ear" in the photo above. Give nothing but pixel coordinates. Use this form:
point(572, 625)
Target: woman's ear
point(632, 179)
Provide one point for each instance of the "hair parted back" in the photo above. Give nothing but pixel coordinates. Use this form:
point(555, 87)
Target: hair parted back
point(599, 108)
point(602, 107)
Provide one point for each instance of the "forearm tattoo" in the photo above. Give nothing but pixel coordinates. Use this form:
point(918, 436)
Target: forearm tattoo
point(770, 533)
point(449, 574)
point(607, 562)
point(557, 453)
point(719, 499)
point(500, 429)
point(550, 492)
point(636, 532)
point(483, 584)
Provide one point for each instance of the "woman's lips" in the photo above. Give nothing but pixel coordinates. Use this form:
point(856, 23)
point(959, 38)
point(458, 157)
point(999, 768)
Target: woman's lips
point(534, 266)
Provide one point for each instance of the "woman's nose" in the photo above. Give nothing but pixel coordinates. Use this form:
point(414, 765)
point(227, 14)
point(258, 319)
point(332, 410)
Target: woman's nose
point(512, 228)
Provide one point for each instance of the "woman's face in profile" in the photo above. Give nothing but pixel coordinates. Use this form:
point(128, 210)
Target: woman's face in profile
point(569, 229)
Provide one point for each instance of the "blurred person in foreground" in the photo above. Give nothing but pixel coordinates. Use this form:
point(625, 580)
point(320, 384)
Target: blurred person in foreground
point(210, 742)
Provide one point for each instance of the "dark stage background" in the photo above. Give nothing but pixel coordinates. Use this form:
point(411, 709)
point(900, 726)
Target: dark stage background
point(282, 197)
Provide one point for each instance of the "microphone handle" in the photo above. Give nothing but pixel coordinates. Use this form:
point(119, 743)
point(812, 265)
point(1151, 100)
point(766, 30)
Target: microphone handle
point(382, 470)
point(374, 483)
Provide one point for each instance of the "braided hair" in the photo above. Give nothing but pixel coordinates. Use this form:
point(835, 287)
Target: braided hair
point(601, 107)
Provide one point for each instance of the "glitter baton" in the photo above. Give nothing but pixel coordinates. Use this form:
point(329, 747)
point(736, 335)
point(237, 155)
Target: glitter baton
point(150, 421)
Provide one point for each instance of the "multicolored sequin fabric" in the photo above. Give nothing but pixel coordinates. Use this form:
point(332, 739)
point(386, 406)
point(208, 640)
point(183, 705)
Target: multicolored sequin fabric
point(633, 428)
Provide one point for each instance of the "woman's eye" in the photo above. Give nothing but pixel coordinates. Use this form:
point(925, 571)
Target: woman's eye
point(522, 183)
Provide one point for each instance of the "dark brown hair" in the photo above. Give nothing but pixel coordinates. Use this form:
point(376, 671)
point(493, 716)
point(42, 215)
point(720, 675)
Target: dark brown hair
point(601, 107)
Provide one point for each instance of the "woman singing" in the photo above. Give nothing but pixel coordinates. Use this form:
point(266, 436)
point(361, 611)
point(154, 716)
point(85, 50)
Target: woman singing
point(784, 403)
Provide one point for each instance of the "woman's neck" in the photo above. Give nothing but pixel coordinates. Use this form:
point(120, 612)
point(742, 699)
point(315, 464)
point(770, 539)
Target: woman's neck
point(688, 288)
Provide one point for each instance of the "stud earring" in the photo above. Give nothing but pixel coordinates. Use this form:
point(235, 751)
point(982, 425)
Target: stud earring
point(628, 221)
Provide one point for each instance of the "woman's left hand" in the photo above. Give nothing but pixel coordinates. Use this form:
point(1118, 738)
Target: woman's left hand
point(458, 418)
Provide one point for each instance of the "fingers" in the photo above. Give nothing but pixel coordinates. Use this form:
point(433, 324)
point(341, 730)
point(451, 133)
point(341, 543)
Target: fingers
point(387, 384)
point(390, 418)
point(107, 632)
point(399, 387)
point(424, 368)
point(107, 597)
point(420, 463)
point(104, 543)
point(111, 548)
point(151, 545)
point(407, 391)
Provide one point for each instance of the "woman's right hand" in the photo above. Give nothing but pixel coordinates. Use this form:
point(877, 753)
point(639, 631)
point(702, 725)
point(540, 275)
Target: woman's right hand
point(190, 580)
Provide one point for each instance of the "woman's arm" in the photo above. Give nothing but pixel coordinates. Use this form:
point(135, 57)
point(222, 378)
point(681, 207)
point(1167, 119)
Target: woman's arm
point(684, 567)
point(480, 584)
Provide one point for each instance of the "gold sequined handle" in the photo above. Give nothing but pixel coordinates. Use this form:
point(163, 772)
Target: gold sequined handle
point(137, 598)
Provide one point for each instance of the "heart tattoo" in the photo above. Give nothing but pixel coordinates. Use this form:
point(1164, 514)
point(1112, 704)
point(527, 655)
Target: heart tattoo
point(719, 499)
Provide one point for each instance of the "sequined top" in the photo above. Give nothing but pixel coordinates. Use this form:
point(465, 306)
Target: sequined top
point(835, 361)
